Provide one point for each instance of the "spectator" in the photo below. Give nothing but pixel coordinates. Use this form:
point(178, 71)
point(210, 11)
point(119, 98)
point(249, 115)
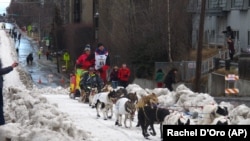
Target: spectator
point(159, 78)
point(47, 54)
point(229, 33)
point(170, 79)
point(231, 48)
point(123, 75)
point(19, 37)
point(39, 53)
point(102, 61)
point(15, 36)
point(29, 59)
point(2, 72)
point(114, 77)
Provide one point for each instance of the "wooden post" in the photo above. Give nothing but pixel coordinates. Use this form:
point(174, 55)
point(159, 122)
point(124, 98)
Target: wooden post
point(200, 46)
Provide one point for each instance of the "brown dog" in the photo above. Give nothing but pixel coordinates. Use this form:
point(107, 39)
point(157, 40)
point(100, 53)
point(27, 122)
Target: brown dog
point(148, 100)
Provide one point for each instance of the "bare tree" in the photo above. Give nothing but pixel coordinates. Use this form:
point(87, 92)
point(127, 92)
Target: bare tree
point(137, 31)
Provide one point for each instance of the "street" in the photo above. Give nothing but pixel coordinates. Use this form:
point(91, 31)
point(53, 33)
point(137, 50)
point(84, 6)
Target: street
point(42, 71)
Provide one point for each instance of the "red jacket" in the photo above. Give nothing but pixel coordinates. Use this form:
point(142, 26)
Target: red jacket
point(83, 62)
point(103, 73)
point(124, 74)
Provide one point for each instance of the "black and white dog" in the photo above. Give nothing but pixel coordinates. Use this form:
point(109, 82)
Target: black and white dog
point(124, 106)
point(104, 101)
point(211, 112)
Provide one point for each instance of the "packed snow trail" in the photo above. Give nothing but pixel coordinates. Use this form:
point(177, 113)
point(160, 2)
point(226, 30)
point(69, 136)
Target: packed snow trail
point(85, 118)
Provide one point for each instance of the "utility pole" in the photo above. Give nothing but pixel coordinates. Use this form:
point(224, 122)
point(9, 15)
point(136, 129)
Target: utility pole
point(169, 36)
point(200, 46)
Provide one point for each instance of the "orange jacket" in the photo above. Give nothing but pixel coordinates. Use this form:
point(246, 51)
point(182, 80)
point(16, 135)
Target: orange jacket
point(124, 74)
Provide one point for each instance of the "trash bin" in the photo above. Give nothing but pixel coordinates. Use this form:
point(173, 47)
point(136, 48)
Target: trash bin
point(216, 63)
point(227, 64)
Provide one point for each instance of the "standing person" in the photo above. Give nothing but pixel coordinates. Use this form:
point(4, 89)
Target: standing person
point(15, 36)
point(2, 72)
point(114, 77)
point(47, 54)
point(170, 79)
point(123, 75)
point(19, 37)
point(159, 78)
point(231, 49)
point(102, 61)
point(29, 59)
point(229, 33)
point(84, 61)
point(39, 53)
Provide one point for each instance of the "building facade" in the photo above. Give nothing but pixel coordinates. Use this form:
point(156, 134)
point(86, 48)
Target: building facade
point(219, 15)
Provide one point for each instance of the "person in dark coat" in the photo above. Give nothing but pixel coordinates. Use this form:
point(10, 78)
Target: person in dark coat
point(91, 80)
point(170, 79)
point(229, 33)
point(29, 59)
point(114, 77)
point(19, 37)
point(2, 72)
point(231, 49)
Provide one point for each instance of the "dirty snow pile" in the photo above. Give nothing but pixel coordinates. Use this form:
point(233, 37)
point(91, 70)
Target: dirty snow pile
point(31, 118)
point(190, 103)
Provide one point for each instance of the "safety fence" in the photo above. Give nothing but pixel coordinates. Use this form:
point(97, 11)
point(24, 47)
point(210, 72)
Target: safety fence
point(187, 69)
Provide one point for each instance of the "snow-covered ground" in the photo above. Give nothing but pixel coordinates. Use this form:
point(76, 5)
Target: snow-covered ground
point(46, 114)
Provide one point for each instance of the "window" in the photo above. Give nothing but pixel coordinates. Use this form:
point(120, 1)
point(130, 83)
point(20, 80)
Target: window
point(248, 38)
point(212, 34)
point(237, 3)
point(236, 34)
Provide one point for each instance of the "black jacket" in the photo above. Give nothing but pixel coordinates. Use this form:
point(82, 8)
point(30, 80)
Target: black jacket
point(114, 75)
point(91, 81)
point(4, 71)
point(170, 79)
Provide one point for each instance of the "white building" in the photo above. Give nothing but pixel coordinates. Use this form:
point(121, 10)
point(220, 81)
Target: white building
point(219, 15)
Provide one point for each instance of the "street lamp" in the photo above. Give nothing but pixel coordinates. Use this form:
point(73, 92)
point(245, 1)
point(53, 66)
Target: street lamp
point(42, 4)
point(96, 25)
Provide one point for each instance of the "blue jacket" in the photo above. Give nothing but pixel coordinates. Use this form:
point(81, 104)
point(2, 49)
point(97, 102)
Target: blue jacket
point(2, 72)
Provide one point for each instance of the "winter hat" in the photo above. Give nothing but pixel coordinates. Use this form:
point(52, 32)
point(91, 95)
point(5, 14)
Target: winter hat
point(87, 47)
point(91, 69)
point(99, 44)
point(115, 67)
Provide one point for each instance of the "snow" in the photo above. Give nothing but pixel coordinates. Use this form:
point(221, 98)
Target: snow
point(44, 114)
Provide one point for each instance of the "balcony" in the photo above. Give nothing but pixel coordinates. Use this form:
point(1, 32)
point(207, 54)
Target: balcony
point(213, 7)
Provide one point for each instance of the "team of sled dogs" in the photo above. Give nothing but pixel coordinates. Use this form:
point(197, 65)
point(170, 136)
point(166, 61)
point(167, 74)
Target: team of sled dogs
point(148, 112)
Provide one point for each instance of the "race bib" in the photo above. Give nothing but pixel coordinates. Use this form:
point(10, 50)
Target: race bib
point(100, 60)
